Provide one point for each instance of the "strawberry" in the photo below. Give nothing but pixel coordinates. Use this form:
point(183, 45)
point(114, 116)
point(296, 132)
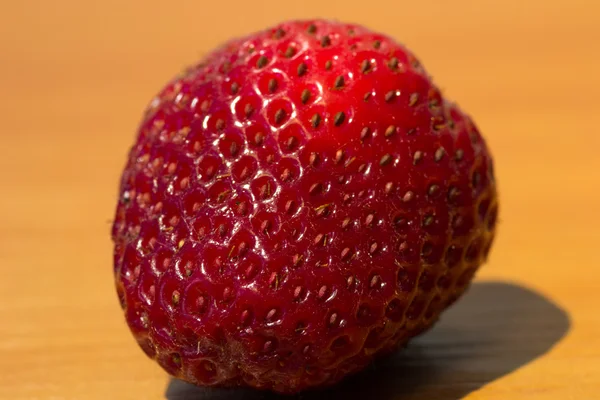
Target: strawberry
point(301, 201)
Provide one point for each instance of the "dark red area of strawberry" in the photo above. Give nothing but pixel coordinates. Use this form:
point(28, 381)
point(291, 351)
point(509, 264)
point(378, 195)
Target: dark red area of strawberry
point(301, 201)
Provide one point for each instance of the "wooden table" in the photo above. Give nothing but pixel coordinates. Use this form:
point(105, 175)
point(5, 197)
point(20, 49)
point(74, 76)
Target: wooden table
point(75, 75)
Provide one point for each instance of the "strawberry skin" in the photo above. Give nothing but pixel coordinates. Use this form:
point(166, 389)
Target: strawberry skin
point(298, 203)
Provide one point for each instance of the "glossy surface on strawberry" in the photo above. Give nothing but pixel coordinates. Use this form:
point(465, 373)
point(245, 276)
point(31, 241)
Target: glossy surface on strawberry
point(301, 201)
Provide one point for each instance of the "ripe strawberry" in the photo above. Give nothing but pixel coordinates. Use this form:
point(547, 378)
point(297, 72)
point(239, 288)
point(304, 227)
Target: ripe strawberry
point(298, 203)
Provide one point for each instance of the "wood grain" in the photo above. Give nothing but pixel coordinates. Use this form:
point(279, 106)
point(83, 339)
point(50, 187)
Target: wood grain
point(75, 76)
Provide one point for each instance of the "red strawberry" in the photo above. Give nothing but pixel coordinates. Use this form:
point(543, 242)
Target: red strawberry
point(298, 203)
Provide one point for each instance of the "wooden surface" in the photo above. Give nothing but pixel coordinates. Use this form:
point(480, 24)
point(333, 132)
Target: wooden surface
point(75, 76)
